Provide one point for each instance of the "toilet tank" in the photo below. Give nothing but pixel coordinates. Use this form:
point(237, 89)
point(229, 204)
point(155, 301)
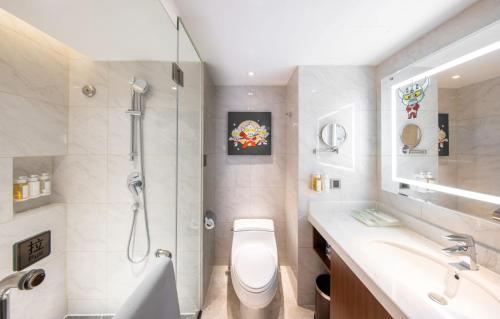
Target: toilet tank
point(253, 225)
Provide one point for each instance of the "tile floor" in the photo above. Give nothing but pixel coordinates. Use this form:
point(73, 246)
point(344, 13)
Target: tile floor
point(222, 302)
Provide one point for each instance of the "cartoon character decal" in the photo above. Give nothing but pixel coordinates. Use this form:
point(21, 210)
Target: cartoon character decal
point(412, 96)
point(249, 134)
point(443, 135)
point(442, 138)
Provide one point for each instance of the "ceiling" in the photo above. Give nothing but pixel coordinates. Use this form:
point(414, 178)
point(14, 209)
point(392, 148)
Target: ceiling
point(104, 29)
point(271, 37)
point(475, 71)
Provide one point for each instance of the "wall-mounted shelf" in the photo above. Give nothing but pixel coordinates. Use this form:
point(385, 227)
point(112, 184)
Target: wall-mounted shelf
point(25, 166)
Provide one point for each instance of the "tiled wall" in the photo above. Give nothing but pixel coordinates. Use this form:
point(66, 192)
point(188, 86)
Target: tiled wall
point(49, 299)
point(33, 104)
point(246, 186)
point(478, 127)
point(91, 179)
point(323, 90)
point(33, 90)
point(429, 219)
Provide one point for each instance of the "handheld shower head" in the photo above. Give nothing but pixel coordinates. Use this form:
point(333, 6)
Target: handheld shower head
point(139, 86)
point(23, 280)
point(135, 185)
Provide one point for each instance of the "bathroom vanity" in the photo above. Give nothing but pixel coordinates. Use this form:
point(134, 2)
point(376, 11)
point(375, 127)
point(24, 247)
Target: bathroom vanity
point(384, 272)
point(350, 298)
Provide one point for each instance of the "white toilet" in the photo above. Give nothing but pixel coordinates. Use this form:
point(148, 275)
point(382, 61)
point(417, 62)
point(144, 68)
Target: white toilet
point(254, 263)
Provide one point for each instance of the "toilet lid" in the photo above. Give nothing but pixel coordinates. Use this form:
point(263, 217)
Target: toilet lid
point(255, 266)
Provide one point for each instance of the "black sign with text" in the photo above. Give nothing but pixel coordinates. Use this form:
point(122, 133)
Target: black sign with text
point(30, 250)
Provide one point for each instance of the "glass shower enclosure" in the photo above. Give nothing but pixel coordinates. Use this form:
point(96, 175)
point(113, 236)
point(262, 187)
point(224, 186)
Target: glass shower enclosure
point(102, 49)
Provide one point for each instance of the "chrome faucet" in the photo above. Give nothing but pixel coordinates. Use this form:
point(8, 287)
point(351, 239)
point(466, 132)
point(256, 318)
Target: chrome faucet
point(465, 246)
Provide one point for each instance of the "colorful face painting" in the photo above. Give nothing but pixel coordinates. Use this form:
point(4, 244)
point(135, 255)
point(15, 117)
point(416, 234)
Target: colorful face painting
point(412, 96)
point(249, 133)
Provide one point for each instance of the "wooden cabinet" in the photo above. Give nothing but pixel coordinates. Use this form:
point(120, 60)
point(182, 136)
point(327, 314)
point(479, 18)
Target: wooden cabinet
point(350, 299)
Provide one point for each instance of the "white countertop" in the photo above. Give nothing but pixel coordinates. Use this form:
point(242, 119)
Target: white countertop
point(363, 249)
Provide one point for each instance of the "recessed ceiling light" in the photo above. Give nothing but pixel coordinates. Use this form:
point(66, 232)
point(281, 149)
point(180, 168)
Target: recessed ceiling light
point(174, 88)
point(251, 73)
point(458, 76)
point(250, 93)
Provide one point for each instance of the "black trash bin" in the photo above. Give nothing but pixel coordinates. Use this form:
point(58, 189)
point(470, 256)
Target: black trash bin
point(322, 297)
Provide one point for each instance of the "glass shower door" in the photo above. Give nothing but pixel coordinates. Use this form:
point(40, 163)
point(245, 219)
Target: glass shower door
point(189, 175)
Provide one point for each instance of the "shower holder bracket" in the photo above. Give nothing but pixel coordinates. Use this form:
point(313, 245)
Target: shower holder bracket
point(163, 252)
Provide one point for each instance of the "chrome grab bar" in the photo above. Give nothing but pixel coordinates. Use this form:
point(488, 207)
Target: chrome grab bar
point(163, 252)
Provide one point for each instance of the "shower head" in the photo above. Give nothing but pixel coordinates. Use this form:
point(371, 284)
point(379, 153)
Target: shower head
point(139, 86)
point(23, 280)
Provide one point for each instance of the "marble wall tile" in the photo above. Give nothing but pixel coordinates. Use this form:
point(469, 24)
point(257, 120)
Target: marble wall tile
point(86, 225)
point(327, 90)
point(90, 306)
point(80, 178)
point(87, 274)
point(87, 130)
point(31, 127)
point(6, 206)
point(84, 71)
point(31, 70)
point(53, 289)
point(247, 186)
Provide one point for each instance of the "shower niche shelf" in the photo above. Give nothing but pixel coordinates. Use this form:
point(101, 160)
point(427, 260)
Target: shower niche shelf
point(25, 166)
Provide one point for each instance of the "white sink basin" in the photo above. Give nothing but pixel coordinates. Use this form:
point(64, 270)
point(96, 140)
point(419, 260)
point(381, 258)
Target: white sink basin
point(420, 270)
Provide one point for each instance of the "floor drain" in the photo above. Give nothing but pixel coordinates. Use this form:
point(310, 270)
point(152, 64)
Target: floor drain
point(437, 298)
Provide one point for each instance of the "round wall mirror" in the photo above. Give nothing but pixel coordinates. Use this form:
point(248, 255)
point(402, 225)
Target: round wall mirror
point(411, 135)
point(333, 135)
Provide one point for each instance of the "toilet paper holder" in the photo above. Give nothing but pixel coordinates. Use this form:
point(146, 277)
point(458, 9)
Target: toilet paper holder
point(209, 220)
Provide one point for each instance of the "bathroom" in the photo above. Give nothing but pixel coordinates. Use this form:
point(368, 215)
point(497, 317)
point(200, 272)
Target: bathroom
point(234, 159)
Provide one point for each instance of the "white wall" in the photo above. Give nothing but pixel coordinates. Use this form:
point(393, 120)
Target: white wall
point(323, 90)
point(33, 103)
point(247, 186)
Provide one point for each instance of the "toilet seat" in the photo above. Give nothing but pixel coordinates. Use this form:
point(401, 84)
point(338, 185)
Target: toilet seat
point(250, 258)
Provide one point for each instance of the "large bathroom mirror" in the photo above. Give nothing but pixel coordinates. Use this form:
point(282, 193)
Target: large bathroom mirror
point(441, 122)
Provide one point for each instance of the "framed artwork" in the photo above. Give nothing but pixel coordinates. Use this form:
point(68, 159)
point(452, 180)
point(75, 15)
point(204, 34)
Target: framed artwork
point(443, 135)
point(249, 133)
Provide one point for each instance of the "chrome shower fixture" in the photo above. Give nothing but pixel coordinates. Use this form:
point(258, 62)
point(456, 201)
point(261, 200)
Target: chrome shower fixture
point(136, 182)
point(139, 86)
point(23, 280)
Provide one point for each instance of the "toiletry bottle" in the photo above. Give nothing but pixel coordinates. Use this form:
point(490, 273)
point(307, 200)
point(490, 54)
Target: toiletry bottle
point(316, 183)
point(34, 183)
point(45, 184)
point(21, 188)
